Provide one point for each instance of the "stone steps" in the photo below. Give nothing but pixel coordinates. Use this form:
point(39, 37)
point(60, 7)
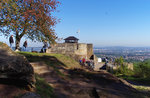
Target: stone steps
point(40, 68)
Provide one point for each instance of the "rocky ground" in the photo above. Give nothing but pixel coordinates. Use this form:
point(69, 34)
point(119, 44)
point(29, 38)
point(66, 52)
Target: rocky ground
point(80, 83)
point(15, 73)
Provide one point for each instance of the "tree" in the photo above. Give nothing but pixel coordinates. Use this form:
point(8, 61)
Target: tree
point(142, 69)
point(120, 64)
point(119, 61)
point(29, 18)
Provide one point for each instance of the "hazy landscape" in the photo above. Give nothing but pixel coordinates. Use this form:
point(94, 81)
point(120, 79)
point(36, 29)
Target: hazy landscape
point(130, 54)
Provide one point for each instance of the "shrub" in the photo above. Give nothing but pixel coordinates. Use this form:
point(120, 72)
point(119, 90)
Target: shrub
point(142, 69)
point(122, 67)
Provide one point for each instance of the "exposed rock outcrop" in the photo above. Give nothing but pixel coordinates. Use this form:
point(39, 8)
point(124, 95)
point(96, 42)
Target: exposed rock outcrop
point(30, 95)
point(14, 68)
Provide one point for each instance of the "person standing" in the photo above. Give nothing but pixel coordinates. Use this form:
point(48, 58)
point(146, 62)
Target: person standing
point(11, 41)
point(83, 61)
point(45, 46)
point(80, 61)
point(25, 44)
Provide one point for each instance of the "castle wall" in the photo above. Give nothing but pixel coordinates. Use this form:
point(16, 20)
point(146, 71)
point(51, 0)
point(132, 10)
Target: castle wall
point(76, 50)
point(62, 48)
point(81, 49)
point(89, 50)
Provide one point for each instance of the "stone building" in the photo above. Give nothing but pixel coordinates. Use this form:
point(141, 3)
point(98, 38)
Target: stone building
point(72, 48)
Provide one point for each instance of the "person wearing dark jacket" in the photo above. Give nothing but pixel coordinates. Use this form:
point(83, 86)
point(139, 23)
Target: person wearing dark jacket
point(45, 47)
point(11, 40)
point(25, 44)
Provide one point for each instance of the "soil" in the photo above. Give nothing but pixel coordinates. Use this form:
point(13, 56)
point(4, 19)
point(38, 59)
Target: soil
point(81, 83)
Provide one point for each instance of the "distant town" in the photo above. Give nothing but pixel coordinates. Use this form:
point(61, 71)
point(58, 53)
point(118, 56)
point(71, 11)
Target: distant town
point(130, 54)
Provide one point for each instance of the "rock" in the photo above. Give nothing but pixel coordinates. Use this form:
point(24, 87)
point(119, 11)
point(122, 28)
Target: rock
point(30, 95)
point(17, 50)
point(14, 68)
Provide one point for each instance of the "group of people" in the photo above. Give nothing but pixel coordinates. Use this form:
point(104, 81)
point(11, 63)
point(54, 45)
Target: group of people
point(25, 44)
point(82, 61)
point(11, 41)
point(89, 63)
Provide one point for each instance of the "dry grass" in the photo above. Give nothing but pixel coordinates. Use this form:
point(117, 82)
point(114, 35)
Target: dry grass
point(61, 59)
point(141, 88)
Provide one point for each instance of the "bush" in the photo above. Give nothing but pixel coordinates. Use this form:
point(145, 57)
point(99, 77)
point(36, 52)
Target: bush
point(142, 69)
point(122, 68)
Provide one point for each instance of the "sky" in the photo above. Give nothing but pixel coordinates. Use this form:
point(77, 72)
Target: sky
point(104, 22)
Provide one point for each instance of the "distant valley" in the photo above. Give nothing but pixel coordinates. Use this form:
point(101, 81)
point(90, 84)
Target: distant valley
point(130, 54)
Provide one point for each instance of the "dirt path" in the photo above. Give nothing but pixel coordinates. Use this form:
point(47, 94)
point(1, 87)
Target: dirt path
point(9, 91)
point(78, 83)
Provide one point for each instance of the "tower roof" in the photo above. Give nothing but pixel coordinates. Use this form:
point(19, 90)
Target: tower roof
point(71, 38)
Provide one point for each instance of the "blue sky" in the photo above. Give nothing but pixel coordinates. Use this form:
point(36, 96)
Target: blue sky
point(105, 22)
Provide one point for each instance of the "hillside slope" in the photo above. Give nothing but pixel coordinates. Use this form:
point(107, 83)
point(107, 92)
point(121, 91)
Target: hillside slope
point(68, 80)
point(59, 76)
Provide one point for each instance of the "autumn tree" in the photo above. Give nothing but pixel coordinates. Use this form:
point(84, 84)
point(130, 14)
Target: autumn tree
point(29, 18)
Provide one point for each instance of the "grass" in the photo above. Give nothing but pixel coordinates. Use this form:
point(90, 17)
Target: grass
point(1, 43)
point(53, 60)
point(59, 60)
point(43, 88)
point(143, 81)
point(142, 88)
point(141, 84)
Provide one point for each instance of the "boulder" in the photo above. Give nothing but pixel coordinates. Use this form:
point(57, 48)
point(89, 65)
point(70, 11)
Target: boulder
point(30, 95)
point(15, 68)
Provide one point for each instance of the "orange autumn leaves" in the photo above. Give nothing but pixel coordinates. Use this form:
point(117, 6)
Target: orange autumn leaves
point(30, 18)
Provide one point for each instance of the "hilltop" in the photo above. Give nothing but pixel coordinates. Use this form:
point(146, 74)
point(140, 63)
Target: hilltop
point(60, 76)
point(69, 80)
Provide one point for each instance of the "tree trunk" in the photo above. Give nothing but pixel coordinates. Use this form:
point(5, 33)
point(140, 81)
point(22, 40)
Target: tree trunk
point(17, 41)
point(17, 44)
point(18, 38)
